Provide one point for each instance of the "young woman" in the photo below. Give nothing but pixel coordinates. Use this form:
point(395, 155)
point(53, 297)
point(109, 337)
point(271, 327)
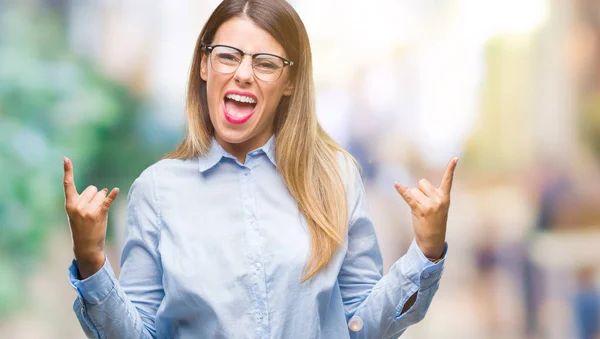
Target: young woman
point(256, 226)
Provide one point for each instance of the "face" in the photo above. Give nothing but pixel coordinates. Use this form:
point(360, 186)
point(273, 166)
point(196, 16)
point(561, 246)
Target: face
point(242, 107)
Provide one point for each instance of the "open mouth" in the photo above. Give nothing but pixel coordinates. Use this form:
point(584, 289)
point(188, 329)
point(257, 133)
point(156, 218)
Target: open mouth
point(239, 107)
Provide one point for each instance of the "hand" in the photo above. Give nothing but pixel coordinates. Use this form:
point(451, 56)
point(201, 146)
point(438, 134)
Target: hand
point(429, 207)
point(88, 215)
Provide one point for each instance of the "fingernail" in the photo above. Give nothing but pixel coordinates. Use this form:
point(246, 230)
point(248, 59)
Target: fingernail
point(65, 160)
point(456, 160)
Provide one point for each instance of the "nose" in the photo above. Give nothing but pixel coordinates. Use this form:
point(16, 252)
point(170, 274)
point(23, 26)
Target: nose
point(244, 73)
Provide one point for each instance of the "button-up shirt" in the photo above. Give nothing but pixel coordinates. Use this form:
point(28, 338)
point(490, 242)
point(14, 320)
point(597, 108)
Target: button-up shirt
point(217, 249)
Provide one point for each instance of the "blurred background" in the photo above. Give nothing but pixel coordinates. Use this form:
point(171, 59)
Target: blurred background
point(511, 87)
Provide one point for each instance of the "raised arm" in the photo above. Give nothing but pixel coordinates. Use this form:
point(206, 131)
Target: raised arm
point(106, 307)
point(386, 306)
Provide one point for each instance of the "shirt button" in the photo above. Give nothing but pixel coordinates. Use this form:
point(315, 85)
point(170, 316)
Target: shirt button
point(257, 266)
point(247, 173)
point(426, 275)
point(356, 323)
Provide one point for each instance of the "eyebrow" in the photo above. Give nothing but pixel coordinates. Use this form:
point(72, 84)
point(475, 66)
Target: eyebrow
point(282, 54)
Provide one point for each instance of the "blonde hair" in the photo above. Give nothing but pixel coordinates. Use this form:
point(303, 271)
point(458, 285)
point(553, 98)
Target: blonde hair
point(307, 158)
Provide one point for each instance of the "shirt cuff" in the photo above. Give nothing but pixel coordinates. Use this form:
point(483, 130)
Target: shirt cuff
point(420, 270)
point(96, 287)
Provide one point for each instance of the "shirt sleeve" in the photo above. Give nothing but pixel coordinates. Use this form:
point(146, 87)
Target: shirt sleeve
point(126, 308)
point(376, 299)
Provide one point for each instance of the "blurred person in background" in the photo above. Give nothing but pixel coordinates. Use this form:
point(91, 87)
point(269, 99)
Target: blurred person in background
point(586, 305)
point(257, 223)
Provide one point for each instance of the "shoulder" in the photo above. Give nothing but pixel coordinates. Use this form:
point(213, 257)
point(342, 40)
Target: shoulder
point(351, 175)
point(174, 167)
point(168, 169)
point(164, 171)
point(349, 169)
point(352, 178)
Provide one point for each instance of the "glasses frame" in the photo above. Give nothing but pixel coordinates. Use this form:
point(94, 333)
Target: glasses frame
point(286, 63)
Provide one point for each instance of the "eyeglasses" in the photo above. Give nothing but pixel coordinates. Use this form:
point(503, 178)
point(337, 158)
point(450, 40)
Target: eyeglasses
point(226, 60)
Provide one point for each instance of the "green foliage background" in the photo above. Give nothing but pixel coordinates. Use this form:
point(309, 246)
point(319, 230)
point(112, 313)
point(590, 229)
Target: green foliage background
point(54, 103)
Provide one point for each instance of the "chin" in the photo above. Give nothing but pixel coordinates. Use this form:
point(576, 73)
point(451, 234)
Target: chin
point(233, 134)
point(233, 137)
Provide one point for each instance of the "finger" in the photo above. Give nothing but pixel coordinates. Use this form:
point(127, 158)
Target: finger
point(405, 194)
point(86, 196)
point(98, 199)
point(419, 196)
point(446, 185)
point(110, 199)
point(427, 188)
point(68, 180)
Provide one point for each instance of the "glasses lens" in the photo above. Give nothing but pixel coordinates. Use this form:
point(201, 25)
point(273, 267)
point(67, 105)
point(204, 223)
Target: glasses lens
point(225, 60)
point(267, 67)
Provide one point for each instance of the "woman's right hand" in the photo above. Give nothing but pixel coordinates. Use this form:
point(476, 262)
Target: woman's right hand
point(88, 215)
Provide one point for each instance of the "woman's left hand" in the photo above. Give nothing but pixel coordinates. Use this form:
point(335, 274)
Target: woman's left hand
point(429, 207)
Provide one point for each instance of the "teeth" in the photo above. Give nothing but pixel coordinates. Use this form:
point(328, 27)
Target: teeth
point(241, 98)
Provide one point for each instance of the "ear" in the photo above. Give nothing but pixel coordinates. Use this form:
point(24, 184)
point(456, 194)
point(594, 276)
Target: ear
point(289, 88)
point(204, 67)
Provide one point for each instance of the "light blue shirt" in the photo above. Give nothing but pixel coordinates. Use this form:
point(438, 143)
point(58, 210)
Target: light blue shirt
point(216, 249)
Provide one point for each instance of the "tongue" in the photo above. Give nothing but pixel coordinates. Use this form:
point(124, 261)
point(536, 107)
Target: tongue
point(238, 109)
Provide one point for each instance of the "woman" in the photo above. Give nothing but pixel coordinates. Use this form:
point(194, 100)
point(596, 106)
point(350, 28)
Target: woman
point(256, 225)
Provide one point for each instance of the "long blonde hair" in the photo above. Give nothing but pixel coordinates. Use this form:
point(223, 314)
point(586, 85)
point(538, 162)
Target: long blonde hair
point(307, 158)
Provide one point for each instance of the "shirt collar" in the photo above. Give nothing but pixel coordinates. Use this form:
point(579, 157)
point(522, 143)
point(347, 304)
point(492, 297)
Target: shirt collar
point(269, 149)
point(216, 153)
